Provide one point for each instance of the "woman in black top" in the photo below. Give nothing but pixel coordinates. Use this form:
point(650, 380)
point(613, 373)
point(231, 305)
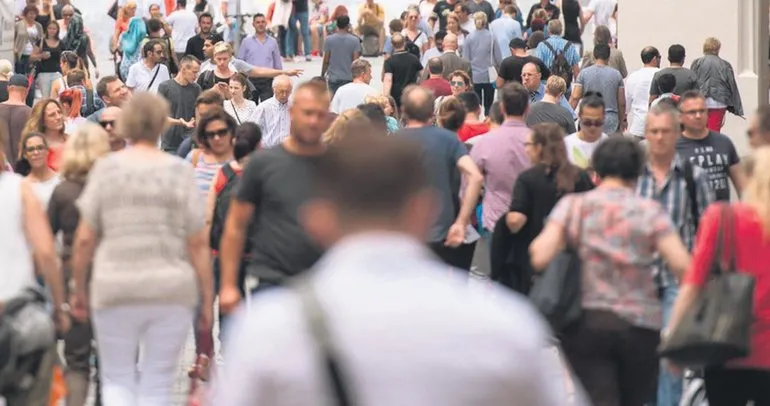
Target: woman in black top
point(535, 193)
point(49, 68)
point(573, 28)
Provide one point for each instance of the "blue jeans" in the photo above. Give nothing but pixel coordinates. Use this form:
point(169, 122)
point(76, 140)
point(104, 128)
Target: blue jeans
point(669, 386)
point(291, 38)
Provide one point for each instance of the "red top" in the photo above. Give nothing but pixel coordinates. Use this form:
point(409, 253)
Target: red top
point(221, 179)
point(470, 130)
point(439, 86)
point(54, 156)
point(752, 252)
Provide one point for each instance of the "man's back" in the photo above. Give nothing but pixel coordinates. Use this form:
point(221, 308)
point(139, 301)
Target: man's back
point(342, 47)
point(602, 79)
point(685, 80)
point(453, 62)
point(544, 112)
point(13, 117)
point(425, 348)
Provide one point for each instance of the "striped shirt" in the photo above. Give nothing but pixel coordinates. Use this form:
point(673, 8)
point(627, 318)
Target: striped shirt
point(674, 199)
point(204, 173)
point(273, 119)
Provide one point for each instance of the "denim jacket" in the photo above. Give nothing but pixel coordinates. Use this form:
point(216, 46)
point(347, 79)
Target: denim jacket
point(716, 80)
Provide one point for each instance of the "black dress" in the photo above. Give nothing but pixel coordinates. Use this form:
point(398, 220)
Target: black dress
point(571, 10)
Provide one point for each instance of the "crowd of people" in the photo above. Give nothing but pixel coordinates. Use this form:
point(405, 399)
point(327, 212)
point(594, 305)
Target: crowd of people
point(202, 181)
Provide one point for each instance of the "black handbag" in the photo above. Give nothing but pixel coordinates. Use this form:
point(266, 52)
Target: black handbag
point(717, 327)
point(557, 292)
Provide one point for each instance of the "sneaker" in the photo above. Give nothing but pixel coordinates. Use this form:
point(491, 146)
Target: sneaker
point(308, 58)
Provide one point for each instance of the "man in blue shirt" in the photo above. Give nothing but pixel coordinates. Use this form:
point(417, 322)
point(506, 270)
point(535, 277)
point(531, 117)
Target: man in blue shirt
point(531, 79)
point(505, 29)
point(547, 50)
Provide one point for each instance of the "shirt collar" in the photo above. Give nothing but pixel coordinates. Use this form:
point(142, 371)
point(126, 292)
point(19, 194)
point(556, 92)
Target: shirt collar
point(513, 123)
point(677, 164)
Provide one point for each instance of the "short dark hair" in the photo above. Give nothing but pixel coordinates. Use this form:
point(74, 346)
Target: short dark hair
point(649, 53)
point(149, 45)
point(496, 113)
point(396, 25)
point(618, 157)
point(470, 101)
point(463, 7)
point(666, 83)
point(217, 114)
point(691, 94)
point(188, 59)
point(210, 97)
point(515, 99)
point(435, 66)
point(440, 35)
point(676, 53)
point(103, 83)
point(258, 15)
point(343, 22)
point(510, 9)
point(154, 25)
point(602, 52)
point(417, 103)
point(182, 3)
point(376, 115)
point(247, 138)
point(593, 101)
point(205, 15)
point(368, 175)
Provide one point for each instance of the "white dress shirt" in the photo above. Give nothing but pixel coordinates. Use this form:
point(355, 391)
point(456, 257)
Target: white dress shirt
point(638, 98)
point(407, 332)
point(273, 119)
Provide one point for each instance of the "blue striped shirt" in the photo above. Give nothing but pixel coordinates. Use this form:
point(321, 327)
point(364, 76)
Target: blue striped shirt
point(673, 197)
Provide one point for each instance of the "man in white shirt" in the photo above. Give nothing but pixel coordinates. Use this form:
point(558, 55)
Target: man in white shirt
point(581, 145)
point(148, 73)
point(400, 329)
point(183, 24)
point(272, 115)
point(638, 91)
point(600, 10)
point(349, 96)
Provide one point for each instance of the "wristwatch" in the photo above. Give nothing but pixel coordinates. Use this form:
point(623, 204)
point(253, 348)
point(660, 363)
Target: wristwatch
point(64, 308)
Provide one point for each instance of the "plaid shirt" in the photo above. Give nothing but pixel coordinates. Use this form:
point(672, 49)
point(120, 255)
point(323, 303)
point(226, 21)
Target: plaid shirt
point(672, 195)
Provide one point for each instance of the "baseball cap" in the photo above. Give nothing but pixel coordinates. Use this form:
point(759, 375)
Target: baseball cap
point(18, 80)
point(517, 43)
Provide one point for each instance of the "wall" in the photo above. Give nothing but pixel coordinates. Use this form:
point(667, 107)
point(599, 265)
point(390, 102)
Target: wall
point(743, 32)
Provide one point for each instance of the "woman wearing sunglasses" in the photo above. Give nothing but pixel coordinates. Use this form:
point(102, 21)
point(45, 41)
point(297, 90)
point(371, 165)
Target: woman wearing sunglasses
point(215, 136)
point(34, 167)
point(459, 82)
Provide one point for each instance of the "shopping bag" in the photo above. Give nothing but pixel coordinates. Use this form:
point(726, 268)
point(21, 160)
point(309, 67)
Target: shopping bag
point(58, 387)
point(717, 327)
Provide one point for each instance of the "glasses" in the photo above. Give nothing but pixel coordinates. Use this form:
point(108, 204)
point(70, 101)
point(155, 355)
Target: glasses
point(35, 148)
point(457, 84)
point(221, 133)
point(695, 112)
point(106, 123)
point(592, 123)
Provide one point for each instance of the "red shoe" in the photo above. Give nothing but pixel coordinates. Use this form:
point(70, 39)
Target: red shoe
point(314, 53)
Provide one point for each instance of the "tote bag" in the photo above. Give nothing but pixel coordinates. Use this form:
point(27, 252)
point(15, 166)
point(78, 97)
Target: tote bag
point(717, 327)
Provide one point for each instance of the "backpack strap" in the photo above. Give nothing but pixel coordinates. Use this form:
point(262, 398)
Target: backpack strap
point(90, 100)
point(229, 173)
point(692, 192)
point(196, 157)
point(566, 47)
point(549, 46)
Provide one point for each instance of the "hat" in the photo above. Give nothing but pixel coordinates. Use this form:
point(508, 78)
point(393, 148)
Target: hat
point(517, 43)
point(19, 80)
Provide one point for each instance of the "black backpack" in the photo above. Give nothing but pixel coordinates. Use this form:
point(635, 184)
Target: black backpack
point(411, 47)
point(221, 206)
point(560, 65)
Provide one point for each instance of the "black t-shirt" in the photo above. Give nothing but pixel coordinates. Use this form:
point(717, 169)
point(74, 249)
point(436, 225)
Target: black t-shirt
point(510, 67)
point(300, 6)
point(404, 66)
point(441, 10)
point(715, 154)
point(571, 10)
point(51, 64)
point(278, 183)
point(195, 46)
point(550, 9)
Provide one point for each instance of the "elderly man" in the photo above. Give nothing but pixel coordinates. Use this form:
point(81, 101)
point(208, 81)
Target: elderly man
point(349, 96)
point(273, 114)
point(531, 79)
point(450, 59)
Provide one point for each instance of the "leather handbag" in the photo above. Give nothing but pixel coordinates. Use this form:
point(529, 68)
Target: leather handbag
point(557, 293)
point(717, 327)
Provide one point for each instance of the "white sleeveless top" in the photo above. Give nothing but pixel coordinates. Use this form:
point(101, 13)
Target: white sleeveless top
point(17, 271)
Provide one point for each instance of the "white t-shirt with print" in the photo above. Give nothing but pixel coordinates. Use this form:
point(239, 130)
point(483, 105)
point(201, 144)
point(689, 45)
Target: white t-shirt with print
point(580, 151)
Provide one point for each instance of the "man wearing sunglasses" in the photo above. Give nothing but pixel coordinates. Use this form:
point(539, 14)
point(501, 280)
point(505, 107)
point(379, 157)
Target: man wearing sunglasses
point(581, 145)
point(107, 120)
point(147, 74)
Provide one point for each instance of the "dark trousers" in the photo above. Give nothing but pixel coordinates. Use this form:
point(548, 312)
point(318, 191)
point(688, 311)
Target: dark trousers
point(23, 67)
point(616, 362)
point(460, 257)
point(486, 93)
point(731, 387)
point(282, 31)
point(336, 84)
point(263, 89)
point(78, 350)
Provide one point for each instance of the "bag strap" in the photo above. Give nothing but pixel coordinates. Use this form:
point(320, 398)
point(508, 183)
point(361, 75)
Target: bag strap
point(229, 173)
point(157, 69)
point(549, 46)
point(236, 112)
point(90, 100)
point(724, 236)
point(692, 193)
point(316, 321)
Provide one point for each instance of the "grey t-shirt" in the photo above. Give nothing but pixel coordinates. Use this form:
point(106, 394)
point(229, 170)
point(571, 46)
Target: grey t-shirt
point(602, 79)
point(715, 154)
point(181, 101)
point(542, 112)
point(341, 47)
point(685, 80)
point(278, 183)
point(441, 151)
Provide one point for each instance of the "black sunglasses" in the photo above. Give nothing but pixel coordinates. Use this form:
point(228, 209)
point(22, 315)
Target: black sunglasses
point(106, 123)
point(218, 133)
point(592, 123)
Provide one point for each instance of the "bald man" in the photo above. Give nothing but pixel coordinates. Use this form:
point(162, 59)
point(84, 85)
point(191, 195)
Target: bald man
point(272, 115)
point(450, 58)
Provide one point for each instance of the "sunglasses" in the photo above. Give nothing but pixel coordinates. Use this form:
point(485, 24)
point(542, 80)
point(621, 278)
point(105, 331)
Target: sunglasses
point(221, 133)
point(106, 123)
point(36, 148)
point(457, 84)
point(592, 123)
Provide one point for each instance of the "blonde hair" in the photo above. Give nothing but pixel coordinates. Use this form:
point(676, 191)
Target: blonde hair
point(221, 47)
point(378, 99)
point(143, 118)
point(711, 46)
point(89, 143)
point(555, 85)
point(6, 68)
point(480, 19)
point(757, 194)
point(339, 127)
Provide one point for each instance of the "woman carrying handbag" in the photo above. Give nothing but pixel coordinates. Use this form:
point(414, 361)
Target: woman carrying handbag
point(741, 380)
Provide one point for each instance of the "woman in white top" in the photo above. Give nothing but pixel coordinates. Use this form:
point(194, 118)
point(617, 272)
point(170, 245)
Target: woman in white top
point(34, 167)
point(413, 33)
point(238, 107)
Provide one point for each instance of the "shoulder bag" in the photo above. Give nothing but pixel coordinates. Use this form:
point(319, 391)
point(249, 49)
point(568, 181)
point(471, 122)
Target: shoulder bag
point(557, 293)
point(155, 76)
point(717, 327)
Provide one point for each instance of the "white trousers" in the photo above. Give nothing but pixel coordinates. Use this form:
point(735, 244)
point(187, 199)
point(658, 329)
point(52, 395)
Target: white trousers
point(132, 379)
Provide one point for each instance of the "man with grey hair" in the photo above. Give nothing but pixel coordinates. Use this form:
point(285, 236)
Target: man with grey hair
point(555, 45)
point(350, 95)
point(683, 190)
point(272, 115)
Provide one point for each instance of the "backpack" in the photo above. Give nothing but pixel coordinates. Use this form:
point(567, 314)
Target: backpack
point(90, 102)
point(559, 65)
point(411, 47)
point(221, 205)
